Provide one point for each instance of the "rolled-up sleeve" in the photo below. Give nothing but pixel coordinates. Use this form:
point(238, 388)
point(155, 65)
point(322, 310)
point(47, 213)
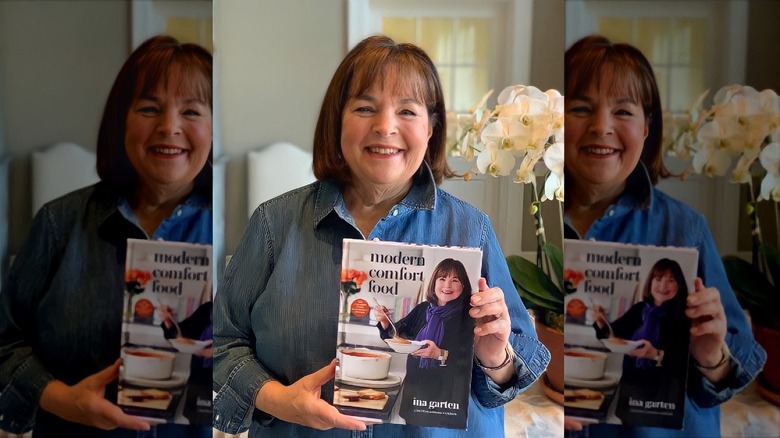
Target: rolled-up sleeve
point(22, 375)
point(748, 357)
point(531, 356)
point(238, 374)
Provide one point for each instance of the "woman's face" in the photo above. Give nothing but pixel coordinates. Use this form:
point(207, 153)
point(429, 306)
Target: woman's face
point(448, 288)
point(168, 137)
point(663, 288)
point(605, 134)
point(384, 137)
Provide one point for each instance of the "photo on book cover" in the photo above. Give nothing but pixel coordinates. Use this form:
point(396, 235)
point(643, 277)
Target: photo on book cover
point(626, 335)
point(405, 335)
point(166, 370)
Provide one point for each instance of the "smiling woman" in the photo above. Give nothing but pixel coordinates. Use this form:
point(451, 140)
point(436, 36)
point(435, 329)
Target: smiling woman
point(60, 312)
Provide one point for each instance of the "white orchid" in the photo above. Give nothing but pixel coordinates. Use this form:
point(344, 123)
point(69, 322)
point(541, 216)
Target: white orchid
point(553, 159)
point(770, 160)
point(495, 161)
point(741, 124)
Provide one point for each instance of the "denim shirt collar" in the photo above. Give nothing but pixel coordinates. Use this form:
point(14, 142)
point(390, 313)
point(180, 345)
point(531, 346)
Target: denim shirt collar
point(422, 196)
point(194, 203)
point(638, 195)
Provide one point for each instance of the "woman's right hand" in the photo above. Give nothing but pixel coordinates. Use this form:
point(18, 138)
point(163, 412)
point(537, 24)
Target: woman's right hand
point(300, 403)
point(166, 314)
point(85, 402)
point(381, 316)
point(598, 315)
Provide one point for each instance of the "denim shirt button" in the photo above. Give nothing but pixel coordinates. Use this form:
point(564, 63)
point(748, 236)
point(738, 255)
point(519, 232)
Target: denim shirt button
point(178, 212)
point(611, 212)
point(395, 212)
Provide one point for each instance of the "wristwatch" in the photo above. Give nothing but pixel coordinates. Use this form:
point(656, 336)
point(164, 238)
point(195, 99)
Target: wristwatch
point(443, 357)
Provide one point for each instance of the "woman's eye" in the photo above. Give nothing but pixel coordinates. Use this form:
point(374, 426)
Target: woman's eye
point(363, 109)
point(579, 110)
point(407, 112)
point(147, 110)
point(623, 112)
point(191, 112)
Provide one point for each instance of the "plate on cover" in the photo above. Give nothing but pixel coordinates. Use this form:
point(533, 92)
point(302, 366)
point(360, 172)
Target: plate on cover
point(617, 345)
point(177, 379)
point(403, 347)
point(390, 381)
point(609, 379)
point(186, 345)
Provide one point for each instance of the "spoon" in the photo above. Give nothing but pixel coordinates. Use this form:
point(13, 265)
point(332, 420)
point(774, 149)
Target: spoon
point(609, 326)
point(390, 320)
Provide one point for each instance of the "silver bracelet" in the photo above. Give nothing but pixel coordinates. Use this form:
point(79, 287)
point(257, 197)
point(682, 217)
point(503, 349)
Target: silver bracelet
point(506, 361)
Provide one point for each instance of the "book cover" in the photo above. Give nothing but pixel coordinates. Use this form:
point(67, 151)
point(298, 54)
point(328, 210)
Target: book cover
point(166, 370)
point(626, 334)
point(405, 340)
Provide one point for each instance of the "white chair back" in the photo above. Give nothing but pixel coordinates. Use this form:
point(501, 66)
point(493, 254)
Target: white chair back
point(60, 169)
point(274, 170)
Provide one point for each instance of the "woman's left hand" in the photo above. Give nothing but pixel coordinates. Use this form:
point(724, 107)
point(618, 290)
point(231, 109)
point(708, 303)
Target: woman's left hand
point(645, 351)
point(708, 324)
point(432, 351)
point(493, 324)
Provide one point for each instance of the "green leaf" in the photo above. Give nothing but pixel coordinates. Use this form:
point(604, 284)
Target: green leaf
point(751, 286)
point(555, 255)
point(534, 285)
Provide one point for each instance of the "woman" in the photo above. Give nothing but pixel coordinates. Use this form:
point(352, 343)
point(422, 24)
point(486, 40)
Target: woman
point(613, 160)
point(379, 154)
point(61, 309)
point(443, 324)
point(659, 322)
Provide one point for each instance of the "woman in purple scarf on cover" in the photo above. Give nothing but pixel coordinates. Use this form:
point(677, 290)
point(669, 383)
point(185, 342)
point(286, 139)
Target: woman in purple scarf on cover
point(659, 321)
point(442, 322)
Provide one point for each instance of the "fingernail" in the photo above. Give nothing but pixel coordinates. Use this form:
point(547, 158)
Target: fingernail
point(478, 330)
point(476, 299)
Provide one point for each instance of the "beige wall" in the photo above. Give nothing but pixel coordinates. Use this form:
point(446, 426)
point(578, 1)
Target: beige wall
point(57, 62)
point(274, 62)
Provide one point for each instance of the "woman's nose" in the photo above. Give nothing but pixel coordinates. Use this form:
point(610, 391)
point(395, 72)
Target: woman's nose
point(385, 123)
point(170, 123)
point(601, 123)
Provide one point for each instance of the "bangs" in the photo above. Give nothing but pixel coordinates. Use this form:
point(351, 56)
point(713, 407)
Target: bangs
point(409, 73)
point(192, 75)
point(618, 76)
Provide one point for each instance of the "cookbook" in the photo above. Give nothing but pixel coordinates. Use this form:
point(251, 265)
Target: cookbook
point(405, 334)
point(626, 335)
point(166, 370)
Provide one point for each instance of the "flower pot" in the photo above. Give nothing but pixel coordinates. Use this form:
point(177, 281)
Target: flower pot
point(769, 338)
point(553, 340)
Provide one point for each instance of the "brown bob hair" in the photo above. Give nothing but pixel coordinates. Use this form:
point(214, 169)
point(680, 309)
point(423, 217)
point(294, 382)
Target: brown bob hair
point(661, 267)
point(444, 268)
point(153, 63)
point(587, 61)
point(365, 65)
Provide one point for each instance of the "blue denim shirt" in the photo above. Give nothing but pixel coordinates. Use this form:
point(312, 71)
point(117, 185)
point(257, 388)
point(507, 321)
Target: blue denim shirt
point(645, 215)
point(275, 315)
point(61, 309)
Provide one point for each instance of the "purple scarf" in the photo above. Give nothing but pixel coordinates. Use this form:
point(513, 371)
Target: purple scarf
point(433, 329)
point(650, 330)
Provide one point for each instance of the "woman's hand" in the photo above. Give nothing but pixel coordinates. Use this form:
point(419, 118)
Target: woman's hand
point(492, 330)
point(598, 315)
point(300, 403)
point(708, 329)
point(382, 313)
point(85, 402)
point(166, 313)
point(431, 352)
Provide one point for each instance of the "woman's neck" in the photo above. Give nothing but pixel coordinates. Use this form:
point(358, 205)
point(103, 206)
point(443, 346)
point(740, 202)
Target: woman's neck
point(368, 205)
point(152, 206)
point(587, 203)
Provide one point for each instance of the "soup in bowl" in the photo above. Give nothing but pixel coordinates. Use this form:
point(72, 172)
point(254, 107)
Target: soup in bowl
point(362, 363)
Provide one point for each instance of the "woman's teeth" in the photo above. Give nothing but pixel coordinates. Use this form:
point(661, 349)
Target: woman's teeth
point(167, 151)
point(600, 151)
point(383, 151)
